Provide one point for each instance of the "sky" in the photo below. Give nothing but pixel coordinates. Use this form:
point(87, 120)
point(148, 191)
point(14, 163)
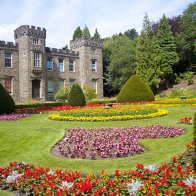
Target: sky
point(60, 18)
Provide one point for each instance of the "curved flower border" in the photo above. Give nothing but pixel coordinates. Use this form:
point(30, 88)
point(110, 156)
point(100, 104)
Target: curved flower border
point(160, 112)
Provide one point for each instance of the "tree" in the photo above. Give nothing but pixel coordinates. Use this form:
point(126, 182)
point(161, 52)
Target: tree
point(65, 48)
point(76, 96)
point(188, 35)
point(7, 105)
point(77, 33)
point(147, 56)
point(86, 32)
point(168, 54)
point(121, 61)
point(96, 35)
point(135, 89)
point(131, 33)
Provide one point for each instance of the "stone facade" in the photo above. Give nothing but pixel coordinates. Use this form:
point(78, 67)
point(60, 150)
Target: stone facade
point(37, 71)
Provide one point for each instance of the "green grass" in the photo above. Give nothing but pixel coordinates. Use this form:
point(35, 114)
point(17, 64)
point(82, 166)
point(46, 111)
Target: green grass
point(31, 139)
point(5, 193)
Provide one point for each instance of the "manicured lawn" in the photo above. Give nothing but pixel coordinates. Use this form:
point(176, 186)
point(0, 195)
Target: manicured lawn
point(30, 140)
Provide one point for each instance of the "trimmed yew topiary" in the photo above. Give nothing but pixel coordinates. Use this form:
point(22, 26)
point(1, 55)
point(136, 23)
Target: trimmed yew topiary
point(76, 96)
point(135, 89)
point(7, 105)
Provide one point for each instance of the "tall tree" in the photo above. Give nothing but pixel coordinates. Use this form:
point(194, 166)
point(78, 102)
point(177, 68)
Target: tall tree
point(77, 33)
point(168, 54)
point(131, 33)
point(96, 35)
point(86, 32)
point(121, 62)
point(189, 35)
point(147, 56)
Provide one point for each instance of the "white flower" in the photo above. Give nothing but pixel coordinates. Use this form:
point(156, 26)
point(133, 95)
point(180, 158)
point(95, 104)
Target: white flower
point(67, 185)
point(12, 178)
point(50, 172)
point(134, 186)
point(189, 181)
point(152, 168)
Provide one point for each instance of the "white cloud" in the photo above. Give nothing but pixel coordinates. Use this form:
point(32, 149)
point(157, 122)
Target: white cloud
point(61, 17)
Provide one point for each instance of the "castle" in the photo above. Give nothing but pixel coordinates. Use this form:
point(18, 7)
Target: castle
point(30, 70)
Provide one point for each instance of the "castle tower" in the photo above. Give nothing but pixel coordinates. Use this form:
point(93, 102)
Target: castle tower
point(90, 62)
point(31, 47)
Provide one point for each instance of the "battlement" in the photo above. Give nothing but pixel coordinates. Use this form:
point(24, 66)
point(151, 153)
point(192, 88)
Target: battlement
point(32, 31)
point(56, 51)
point(79, 42)
point(8, 45)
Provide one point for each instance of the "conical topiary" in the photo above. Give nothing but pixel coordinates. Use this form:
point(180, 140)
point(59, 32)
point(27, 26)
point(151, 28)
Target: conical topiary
point(135, 89)
point(7, 105)
point(76, 96)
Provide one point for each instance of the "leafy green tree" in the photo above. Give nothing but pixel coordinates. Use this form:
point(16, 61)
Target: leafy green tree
point(121, 61)
point(188, 35)
point(131, 33)
point(86, 32)
point(89, 92)
point(77, 33)
point(62, 93)
point(76, 96)
point(168, 54)
point(147, 56)
point(96, 35)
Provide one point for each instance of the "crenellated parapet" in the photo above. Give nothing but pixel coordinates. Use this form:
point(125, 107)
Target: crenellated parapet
point(79, 42)
point(31, 31)
point(8, 45)
point(61, 52)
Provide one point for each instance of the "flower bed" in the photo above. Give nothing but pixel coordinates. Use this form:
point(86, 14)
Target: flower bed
point(174, 102)
point(126, 112)
point(12, 117)
point(167, 179)
point(111, 142)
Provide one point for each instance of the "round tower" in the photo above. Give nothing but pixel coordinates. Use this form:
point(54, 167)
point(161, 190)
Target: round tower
point(90, 62)
point(31, 47)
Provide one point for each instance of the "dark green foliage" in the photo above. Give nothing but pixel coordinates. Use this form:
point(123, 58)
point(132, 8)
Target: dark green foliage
point(135, 89)
point(76, 96)
point(40, 104)
point(119, 55)
point(168, 54)
point(7, 105)
point(131, 33)
point(77, 33)
point(96, 35)
point(86, 32)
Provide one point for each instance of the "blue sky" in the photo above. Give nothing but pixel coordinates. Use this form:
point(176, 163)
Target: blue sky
point(61, 17)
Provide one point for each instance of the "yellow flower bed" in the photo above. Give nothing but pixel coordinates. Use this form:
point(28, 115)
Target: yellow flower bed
point(159, 112)
point(174, 102)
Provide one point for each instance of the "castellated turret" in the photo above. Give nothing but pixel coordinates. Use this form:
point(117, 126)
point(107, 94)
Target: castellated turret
point(90, 64)
point(31, 46)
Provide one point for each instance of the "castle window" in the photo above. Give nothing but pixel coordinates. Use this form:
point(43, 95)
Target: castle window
point(9, 85)
point(49, 64)
point(50, 87)
point(71, 66)
point(71, 82)
point(37, 59)
point(35, 41)
point(93, 65)
point(8, 60)
point(61, 83)
point(94, 84)
point(61, 65)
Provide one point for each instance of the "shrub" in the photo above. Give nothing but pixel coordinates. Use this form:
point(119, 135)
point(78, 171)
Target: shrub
point(76, 96)
point(62, 93)
point(135, 89)
point(89, 92)
point(7, 105)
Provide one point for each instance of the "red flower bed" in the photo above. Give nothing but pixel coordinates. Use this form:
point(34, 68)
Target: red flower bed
point(167, 179)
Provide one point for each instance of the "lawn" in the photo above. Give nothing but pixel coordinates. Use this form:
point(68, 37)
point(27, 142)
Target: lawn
point(30, 140)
